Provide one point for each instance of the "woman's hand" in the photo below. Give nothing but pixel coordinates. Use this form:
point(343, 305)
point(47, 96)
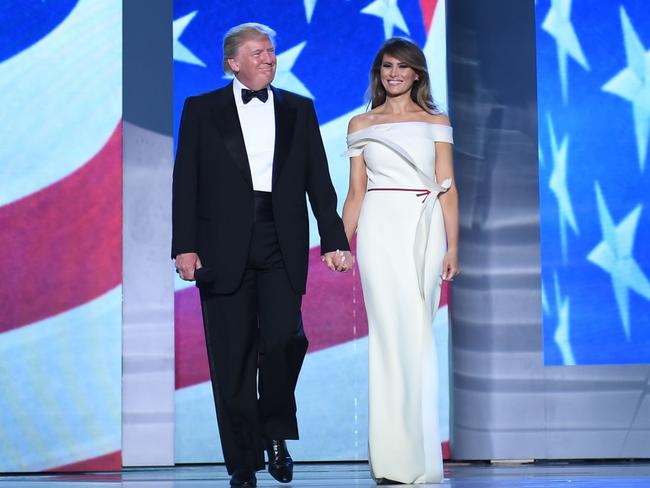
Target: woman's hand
point(450, 266)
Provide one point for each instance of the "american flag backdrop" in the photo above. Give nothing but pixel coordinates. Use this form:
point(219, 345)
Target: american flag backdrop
point(593, 66)
point(325, 49)
point(60, 234)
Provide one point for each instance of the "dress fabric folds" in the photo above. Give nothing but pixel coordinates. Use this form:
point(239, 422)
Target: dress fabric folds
point(401, 244)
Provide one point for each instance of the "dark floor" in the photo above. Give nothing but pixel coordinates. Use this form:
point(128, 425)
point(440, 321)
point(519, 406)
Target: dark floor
point(338, 475)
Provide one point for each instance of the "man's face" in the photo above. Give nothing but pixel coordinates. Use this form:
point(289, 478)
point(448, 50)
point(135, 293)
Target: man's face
point(255, 62)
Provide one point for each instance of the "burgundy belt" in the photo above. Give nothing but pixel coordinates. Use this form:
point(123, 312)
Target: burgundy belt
point(419, 192)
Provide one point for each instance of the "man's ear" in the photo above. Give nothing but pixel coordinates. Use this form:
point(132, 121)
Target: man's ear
point(234, 65)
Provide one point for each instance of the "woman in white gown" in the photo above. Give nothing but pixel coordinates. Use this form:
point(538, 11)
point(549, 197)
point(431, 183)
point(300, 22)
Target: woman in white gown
point(403, 204)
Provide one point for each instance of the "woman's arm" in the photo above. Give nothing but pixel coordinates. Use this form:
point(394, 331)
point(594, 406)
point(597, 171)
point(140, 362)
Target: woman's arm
point(356, 189)
point(449, 205)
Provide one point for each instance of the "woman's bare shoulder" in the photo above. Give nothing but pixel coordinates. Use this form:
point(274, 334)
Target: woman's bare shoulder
point(440, 118)
point(361, 121)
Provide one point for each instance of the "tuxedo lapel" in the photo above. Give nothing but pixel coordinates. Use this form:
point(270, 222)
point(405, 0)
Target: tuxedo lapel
point(285, 121)
point(227, 120)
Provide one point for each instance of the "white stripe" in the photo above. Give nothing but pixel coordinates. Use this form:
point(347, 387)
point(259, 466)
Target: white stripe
point(60, 99)
point(196, 434)
point(61, 387)
point(435, 50)
point(332, 397)
point(180, 284)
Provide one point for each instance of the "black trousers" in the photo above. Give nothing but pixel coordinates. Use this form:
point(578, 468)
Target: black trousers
point(256, 346)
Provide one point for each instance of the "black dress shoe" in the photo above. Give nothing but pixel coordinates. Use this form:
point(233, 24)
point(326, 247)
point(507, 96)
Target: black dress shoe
point(280, 462)
point(243, 478)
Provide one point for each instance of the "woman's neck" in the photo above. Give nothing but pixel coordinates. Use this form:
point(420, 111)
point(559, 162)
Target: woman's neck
point(400, 105)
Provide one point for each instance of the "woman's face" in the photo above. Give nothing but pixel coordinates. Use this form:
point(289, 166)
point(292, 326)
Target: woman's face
point(397, 77)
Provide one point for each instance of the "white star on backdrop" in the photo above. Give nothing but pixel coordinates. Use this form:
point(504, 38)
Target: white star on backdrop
point(284, 78)
point(558, 24)
point(633, 85)
point(546, 308)
point(558, 185)
point(614, 255)
point(310, 5)
point(181, 52)
point(562, 332)
point(390, 13)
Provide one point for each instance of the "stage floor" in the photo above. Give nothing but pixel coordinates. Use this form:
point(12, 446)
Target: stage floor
point(339, 475)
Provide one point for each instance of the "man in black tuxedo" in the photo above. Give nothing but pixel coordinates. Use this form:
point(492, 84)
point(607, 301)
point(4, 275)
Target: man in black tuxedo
point(247, 155)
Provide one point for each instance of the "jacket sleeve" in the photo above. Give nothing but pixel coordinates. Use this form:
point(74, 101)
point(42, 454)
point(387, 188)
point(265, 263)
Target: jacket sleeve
point(322, 196)
point(185, 183)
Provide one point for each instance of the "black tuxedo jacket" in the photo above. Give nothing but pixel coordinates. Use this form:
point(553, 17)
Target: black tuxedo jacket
point(213, 206)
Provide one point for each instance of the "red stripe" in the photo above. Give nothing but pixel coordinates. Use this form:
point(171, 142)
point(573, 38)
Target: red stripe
point(444, 294)
point(62, 245)
point(446, 450)
point(107, 462)
point(333, 309)
point(428, 11)
point(191, 358)
point(333, 313)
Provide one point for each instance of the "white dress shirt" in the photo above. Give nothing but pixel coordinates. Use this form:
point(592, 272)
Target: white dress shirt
point(257, 121)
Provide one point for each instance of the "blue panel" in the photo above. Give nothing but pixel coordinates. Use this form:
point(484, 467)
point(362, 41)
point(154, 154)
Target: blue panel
point(25, 22)
point(594, 122)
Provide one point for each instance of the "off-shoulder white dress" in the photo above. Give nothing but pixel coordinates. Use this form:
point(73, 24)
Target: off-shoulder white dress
point(401, 244)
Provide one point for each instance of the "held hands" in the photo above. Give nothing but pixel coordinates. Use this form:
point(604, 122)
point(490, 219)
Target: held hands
point(338, 260)
point(450, 266)
point(186, 264)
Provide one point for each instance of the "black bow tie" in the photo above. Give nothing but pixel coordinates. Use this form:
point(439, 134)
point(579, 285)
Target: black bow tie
point(247, 95)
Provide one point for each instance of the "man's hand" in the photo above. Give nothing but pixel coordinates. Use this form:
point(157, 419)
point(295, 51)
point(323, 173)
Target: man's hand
point(338, 260)
point(186, 264)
